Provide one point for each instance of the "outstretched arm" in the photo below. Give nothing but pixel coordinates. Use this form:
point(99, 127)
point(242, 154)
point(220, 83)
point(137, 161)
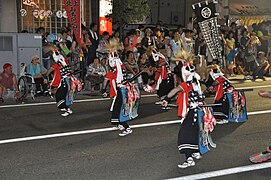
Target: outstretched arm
point(172, 93)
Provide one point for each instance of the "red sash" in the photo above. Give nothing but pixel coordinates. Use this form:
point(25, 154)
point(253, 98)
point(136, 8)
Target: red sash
point(182, 100)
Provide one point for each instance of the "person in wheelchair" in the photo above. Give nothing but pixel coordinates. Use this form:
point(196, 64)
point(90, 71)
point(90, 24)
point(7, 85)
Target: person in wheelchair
point(95, 74)
point(8, 83)
point(38, 72)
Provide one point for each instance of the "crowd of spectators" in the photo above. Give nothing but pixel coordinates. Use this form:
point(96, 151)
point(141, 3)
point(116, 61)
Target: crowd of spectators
point(245, 51)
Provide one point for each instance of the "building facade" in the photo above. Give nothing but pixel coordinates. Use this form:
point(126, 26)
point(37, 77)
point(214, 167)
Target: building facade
point(178, 12)
point(19, 15)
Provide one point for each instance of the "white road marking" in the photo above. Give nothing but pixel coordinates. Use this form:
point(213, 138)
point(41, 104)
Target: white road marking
point(76, 101)
point(104, 99)
point(225, 172)
point(7, 141)
point(254, 87)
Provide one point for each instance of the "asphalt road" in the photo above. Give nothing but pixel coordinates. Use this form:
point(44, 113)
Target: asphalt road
point(148, 153)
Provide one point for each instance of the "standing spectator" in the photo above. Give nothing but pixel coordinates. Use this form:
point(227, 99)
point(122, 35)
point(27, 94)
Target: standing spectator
point(45, 57)
point(75, 55)
point(234, 30)
point(176, 46)
point(251, 52)
point(245, 38)
point(95, 74)
point(66, 38)
point(180, 28)
point(138, 45)
point(230, 61)
point(230, 42)
point(116, 38)
point(264, 37)
point(102, 44)
point(8, 82)
point(130, 42)
point(148, 40)
point(141, 29)
point(94, 39)
point(162, 42)
point(187, 40)
point(85, 43)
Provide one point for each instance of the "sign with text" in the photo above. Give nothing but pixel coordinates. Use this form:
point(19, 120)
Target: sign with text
point(105, 25)
point(73, 11)
point(30, 3)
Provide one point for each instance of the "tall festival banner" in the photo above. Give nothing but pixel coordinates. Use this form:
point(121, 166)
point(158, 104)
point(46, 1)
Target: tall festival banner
point(73, 11)
point(106, 7)
point(208, 22)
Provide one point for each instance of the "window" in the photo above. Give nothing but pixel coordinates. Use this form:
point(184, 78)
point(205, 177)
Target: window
point(33, 17)
point(6, 43)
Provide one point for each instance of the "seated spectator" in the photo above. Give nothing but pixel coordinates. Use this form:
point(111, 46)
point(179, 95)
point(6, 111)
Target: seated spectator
point(36, 70)
point(145, 66)
point(104, 65)
point(240, 63)
point(95, 73)
point(8, 83)
point(261, 66)
point(131, 64)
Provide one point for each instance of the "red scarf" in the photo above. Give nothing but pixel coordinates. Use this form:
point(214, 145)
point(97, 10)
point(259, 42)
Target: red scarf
point(182, 100)
point(219, 88)
point(112, 80)
point(161, 71)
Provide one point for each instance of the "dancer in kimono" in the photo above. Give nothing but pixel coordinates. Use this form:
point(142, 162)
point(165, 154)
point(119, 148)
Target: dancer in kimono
point(164, 81)
point(189, 98)
point(64, 84)
point(124, 93)
point(222, 86)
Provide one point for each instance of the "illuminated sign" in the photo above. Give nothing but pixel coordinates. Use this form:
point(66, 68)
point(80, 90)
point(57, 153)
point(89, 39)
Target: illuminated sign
point(106, 7)
point(30, 3)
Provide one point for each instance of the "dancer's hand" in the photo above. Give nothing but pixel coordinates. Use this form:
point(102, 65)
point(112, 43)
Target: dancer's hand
point(164, 103)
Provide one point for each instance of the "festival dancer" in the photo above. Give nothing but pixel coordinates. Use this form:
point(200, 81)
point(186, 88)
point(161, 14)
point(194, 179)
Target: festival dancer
point(222, 86)
point(64, 84)
point(164, 81)
point(189, 98)
point(124, 93)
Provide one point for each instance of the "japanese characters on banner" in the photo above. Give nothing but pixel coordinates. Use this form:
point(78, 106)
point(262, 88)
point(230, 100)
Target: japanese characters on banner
point(73, 12)
point(208, 22)
point(105, 23)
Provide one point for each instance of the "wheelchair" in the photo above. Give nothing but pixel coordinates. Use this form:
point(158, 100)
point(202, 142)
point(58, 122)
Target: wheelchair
point(27, 85)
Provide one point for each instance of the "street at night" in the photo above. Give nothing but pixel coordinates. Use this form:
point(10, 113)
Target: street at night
point(91, 149)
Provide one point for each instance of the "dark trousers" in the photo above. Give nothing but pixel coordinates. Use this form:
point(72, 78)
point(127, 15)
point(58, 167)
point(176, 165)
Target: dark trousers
point(91, 55)
point(61, 94)
point(259, 72)
point(188, 135)
point(39, 83)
